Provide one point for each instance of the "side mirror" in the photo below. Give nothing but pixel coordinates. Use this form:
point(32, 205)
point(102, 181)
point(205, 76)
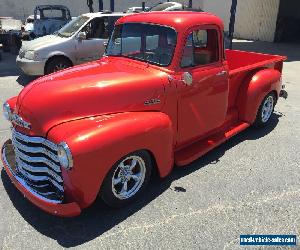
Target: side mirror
point(105, 44)
point(81, 36)
point(187, 78)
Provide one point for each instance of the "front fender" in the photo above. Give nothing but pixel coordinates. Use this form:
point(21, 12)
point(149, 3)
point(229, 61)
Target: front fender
point(253, 91)
point(97, 143)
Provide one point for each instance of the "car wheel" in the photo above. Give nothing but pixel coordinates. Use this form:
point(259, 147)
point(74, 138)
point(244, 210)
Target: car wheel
point(127, 179)
point(265, 110)
point(56, 64)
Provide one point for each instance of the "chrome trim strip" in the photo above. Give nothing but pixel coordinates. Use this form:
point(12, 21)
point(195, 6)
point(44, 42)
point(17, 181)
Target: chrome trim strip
point(34, 149)
point(39, 170)
point(32, 139)
point(23, 183)
point(37, 160)
point(23, 171)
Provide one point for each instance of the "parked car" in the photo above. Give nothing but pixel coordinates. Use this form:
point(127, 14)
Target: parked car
point(28, 28)
point(48, 19)
point(10, 30)
point(164, 93)
point(137, 9)
point(81, 40)
point(167, 6)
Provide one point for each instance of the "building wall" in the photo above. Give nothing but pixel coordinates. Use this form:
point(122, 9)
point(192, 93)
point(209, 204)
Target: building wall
point(221, 10)
point(255, 19)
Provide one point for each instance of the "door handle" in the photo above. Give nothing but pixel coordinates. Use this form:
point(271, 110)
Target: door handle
point(221, 73)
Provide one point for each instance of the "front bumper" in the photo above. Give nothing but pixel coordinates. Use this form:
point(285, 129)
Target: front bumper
point(30, 67)
point(59, 209)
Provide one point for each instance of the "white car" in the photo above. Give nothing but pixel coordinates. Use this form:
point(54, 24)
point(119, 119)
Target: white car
point(81, 40)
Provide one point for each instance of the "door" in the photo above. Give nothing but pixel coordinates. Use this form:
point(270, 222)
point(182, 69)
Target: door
point(203, 96)
point(93, 46)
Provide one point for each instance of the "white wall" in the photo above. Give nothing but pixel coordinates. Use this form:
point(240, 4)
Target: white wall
point(255, 19)
point(220, 8)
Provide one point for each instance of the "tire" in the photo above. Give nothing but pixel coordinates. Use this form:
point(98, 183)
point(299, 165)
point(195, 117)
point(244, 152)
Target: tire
point(265, 110)
point(56, 64)
point(111, 191)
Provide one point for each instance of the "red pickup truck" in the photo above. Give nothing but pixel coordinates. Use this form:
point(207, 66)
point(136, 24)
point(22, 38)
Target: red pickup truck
point(165, 93)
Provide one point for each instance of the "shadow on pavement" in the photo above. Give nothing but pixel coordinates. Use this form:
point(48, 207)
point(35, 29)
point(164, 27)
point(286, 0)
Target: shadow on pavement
point(98, 219)
point(24, 80)
point(8, 65)
point(291, 50)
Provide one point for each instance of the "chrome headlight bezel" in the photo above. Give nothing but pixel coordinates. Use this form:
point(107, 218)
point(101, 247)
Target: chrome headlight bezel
point(64, 156)
point(7, 113)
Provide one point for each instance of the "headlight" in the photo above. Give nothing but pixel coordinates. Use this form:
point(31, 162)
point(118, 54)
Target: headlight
point(31, 55)
point(65, 156)
point(6, 111)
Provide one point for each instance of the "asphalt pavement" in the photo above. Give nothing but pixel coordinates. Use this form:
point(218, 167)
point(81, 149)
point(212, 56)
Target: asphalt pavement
point(249, 185)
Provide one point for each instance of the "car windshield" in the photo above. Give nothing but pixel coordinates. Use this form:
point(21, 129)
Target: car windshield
point(146, 42)
point(70, 28)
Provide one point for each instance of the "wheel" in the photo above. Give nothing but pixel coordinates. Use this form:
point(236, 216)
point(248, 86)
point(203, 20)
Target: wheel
point(56, 64)
point(127, 179)
point(265, 110)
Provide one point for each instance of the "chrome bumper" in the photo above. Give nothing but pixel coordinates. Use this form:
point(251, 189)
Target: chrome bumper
point(51, 206)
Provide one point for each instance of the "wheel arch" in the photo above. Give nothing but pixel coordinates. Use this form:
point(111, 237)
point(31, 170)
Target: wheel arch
point(98, 144)
point(253, 91)
point(54, 56)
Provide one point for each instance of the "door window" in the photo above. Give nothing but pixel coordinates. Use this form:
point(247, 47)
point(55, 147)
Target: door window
point(97, 29)
point(201, 48)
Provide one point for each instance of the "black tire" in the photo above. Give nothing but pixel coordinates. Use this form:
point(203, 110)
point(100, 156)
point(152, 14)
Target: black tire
point(109, 192)
point(56, 64)
point(261, 118)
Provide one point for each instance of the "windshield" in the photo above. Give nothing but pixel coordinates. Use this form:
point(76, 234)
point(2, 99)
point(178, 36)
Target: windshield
point(72, 27)
point(146, 42)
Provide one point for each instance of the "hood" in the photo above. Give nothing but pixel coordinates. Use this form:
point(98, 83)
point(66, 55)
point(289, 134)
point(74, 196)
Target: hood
point(42, 42)
point(110, 85)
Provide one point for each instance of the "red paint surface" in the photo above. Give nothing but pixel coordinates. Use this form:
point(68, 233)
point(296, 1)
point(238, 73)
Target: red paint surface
point(98, 108)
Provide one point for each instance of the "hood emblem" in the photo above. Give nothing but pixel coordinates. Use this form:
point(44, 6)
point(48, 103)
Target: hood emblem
point(152, 102)
point(18, 120)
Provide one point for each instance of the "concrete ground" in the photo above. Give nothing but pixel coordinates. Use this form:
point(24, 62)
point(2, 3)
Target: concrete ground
point(249, 185)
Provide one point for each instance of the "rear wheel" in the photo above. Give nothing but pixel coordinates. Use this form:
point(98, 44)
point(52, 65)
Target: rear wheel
point(265, 110)
point(56, 64)
point(127, 179)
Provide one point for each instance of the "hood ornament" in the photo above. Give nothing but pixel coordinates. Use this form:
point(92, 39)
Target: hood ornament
point(18, 120)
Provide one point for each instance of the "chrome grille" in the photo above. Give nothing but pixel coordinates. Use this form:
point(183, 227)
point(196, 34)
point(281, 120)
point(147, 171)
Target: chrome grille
point(38, 165)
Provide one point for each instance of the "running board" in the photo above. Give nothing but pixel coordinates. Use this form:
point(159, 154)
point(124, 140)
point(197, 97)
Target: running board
point(199, 148)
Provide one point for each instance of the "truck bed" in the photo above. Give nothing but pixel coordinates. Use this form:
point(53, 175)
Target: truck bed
point(241, 63)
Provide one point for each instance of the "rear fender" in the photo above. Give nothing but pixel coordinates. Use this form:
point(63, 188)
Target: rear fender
point(253, 91)
point(97, 143)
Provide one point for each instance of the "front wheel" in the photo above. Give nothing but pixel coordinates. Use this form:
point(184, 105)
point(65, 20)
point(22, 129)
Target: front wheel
point(56, 64)
point(127, 179)
point(265, 110)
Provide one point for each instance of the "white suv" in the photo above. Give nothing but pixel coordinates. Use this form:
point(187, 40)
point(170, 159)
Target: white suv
point(81, 40)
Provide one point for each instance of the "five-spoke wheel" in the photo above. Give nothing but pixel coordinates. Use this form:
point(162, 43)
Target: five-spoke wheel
point(265, 110)
point(127, 179)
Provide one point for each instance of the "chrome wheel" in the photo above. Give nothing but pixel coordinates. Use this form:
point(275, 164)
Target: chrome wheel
point(128, 177)
point(267, 108)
